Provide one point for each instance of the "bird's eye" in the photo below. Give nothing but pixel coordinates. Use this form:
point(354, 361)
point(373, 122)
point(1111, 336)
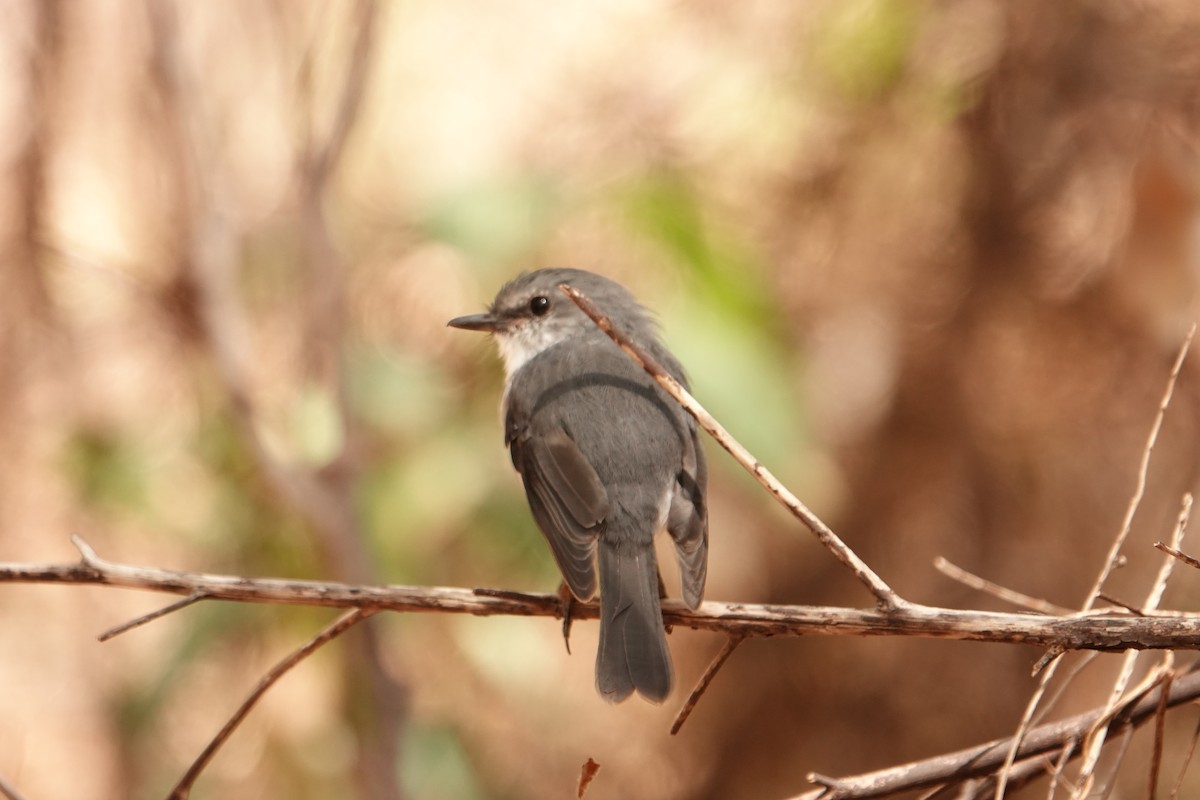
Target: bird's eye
point(539, 305)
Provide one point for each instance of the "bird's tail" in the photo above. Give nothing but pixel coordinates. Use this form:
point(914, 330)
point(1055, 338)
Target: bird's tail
point(633, 651)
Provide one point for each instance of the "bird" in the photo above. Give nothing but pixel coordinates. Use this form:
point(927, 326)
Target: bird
point(607, 460)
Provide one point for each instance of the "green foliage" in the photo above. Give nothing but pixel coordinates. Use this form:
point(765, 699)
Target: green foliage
point(862, 45)
point(725, 329)
point(106, 468)
point(669, 211)
point(436, 765)
point(397, 393)
point(496, 219)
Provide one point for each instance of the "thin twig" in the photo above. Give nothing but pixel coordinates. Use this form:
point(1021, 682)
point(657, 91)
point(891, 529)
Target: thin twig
point(1119, 603)
point(1187, 761)
point(886, 598)
point(1160, 737)
point(1095, 741)
point(194, 597)
point(1045, 675)
point(1096, 736)
point(337, 628)
point(1045, 708)
point(1122, 749)
point(1143, 470)
point(1184, 557)
point(1058, 773)
point(1114, 558)
point(970, 579)
point(702, 685)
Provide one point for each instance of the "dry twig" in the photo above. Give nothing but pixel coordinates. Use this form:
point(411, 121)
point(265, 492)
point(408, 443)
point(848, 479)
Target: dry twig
point(1095, 741)
point(1114, 558)
point(702, 685)
point(339, 626)
point(970, 579)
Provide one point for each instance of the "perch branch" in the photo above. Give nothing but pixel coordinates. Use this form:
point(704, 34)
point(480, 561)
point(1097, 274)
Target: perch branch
point(886, 597)
point(1116, 631)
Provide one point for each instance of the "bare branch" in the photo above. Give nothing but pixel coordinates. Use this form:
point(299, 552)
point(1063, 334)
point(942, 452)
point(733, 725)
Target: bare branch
point(885, 596)
point(1092, 631)
point(985, 759)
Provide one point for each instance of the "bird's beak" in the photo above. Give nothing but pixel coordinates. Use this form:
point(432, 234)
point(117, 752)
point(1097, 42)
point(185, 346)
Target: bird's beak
point(476, 322)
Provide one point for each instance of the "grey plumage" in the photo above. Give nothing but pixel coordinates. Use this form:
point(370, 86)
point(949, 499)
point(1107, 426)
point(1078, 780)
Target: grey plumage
point(607, 459)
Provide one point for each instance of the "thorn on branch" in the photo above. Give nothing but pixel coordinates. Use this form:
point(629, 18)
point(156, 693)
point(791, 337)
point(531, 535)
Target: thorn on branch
point(1132, 609)
point(1184, 557)
point(1047, 658)
point(89, 556)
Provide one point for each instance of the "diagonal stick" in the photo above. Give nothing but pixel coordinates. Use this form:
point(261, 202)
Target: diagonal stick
point(886, 598)
point(342, 624)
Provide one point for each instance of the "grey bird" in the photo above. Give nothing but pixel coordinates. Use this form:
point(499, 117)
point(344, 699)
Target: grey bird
point(607, 458)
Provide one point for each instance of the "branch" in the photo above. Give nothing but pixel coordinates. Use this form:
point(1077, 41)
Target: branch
point(985, 759)
point(8, 791)
point(886, 597)
point(1115, 631)
point(335, 629)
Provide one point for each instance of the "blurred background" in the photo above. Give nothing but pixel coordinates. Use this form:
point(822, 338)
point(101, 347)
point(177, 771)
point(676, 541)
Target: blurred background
point(930, 261)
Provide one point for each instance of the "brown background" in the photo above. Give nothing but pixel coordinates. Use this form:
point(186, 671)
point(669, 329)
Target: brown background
point(931, 261)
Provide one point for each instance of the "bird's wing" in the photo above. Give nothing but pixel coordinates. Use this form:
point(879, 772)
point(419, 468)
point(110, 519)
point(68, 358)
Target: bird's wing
point(687, 521)
point(567, 499)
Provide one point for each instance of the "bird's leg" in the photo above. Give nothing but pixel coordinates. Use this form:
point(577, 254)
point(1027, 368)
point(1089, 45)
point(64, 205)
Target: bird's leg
point(566, 603)
point(662, 592)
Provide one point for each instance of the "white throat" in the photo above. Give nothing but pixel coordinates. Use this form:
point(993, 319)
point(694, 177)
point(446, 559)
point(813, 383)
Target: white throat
point(523, 342)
